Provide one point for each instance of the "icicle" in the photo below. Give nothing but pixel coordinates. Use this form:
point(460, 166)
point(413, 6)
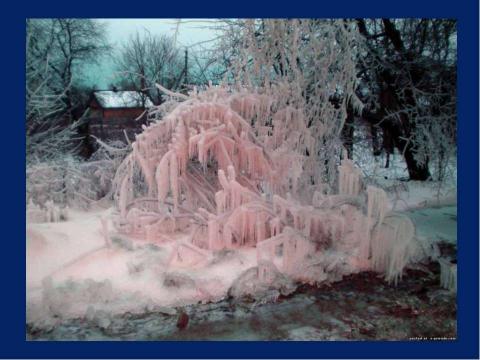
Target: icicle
point(260, 230)
point(174, 180)
point(227, 236)
point(223, 180)
point(275, 228)
point(147, 172)
point(220, 201)
point(162, 176)
point(349, 178)
point(377, 206)
point(394, 245)
point(231, 173)
point(213, 233)
point(123, 201)
point(448, 274)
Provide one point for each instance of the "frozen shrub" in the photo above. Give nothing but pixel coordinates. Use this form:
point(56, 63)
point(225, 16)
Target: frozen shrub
point(230, 181)
point(47, 213)
point(67, 181)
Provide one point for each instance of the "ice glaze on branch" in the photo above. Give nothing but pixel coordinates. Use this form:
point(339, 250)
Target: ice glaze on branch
point(233, 169)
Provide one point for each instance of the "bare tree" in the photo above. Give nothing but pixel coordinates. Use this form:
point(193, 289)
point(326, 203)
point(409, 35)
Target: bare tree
point(56, 51)
point(302, 63)
point(45, 131)
point(71, 43)
point(147, 59)
point(204, 67)
point(409, 68)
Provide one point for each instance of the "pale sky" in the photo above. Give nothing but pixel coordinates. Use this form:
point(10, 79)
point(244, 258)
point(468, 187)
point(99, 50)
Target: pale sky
point(188, 32)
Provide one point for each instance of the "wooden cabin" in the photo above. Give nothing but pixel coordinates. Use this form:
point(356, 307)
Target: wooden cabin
point(114, 104)
point(114, 113)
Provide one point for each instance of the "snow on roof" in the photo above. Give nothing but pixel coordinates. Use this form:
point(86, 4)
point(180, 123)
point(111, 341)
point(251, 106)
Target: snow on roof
point(122, 99)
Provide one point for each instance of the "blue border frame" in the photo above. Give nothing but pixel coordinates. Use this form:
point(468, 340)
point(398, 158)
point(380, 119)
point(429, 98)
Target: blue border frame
point(12, 329)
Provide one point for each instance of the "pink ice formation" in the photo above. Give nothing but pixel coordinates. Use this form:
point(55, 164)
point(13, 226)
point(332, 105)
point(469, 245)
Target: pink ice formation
point(230, 170)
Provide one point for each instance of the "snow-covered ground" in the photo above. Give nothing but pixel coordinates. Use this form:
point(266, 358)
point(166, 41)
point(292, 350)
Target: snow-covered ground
point(438, 224)
point(360, 307)
point(72, 273)
point(403, 194)
point(51, 246)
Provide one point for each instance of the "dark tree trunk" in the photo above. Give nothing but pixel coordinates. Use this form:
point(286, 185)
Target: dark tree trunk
point(376, 145)
point(388, 143)
point(393, 136)
point(396, 129)
point(416, 171)
point(347, 132)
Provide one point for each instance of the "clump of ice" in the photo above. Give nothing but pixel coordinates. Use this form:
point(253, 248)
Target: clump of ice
point(248, 284)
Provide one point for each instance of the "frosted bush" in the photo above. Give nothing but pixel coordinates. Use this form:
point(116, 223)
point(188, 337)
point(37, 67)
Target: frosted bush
point(208, 170)
point(70, 181)
point(48, 213)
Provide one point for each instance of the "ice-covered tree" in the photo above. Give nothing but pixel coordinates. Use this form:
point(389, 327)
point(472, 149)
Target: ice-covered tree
point(408, 68)
point(45, 131)
point(302, 63)
point(146, 59)
point(55, 51)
